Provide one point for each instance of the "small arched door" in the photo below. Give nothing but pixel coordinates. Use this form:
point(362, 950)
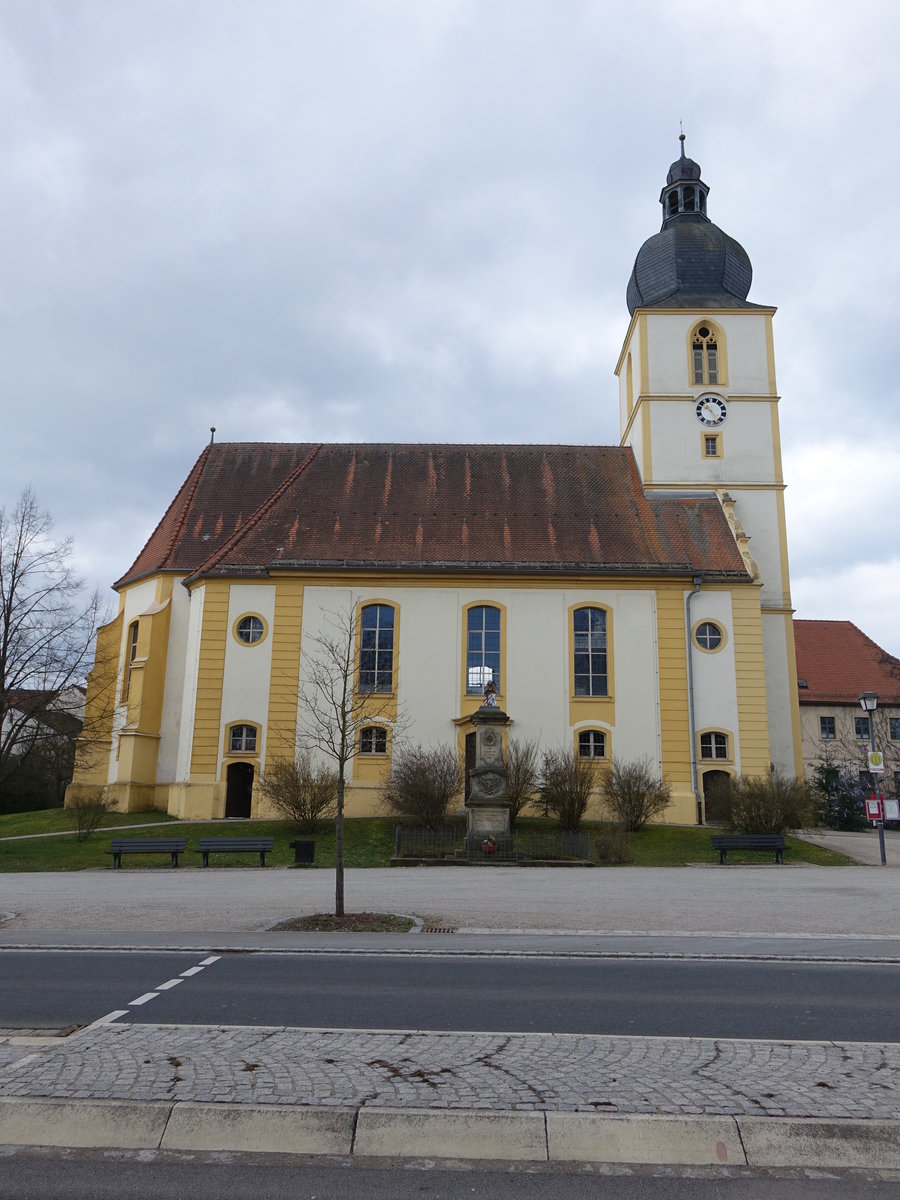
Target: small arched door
point(239, 789)
point(715, 796)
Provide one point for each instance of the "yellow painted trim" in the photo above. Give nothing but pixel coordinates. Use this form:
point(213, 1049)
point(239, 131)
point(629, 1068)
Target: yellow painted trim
point(783, 550)
point(94, 746)
point(729, 746)
point(743, 313)
point(371, 770)
point(250, 756)
point(721, 354)
point(284, 675)
point(646, 463)
point(385, 702)
point(770, 353)
point(794, 694)
point(776, 443)
point(674, 729)
point(711, 621)
point(644, 347)
point(243, 617)
point(629, 386)
point(692, 485)
point(588, 710)
point(210, 679)
point(750, 683)
point(716, 435)
point(470, 701)
point(626, 344)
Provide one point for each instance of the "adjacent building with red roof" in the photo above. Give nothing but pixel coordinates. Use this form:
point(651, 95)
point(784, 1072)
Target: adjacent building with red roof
point(836, 663)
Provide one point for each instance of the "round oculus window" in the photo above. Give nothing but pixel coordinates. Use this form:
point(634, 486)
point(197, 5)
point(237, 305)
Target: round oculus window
point(250, 629)
point(708, 635)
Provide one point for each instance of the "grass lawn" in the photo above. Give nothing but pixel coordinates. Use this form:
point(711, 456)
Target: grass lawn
point(368, 842)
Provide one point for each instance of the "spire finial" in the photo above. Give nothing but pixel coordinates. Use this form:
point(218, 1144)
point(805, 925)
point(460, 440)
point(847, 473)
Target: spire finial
point(681, 137)
point(212, 434)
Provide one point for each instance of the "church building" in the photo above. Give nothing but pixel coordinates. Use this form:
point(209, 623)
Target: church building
point(627, 602)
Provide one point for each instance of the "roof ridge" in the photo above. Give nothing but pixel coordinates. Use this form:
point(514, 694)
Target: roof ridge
point(256, 516)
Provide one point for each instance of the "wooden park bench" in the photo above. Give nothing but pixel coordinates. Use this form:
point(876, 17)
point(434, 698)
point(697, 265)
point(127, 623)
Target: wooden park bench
point(171, 846)
point(723, 842)
point(238, 845)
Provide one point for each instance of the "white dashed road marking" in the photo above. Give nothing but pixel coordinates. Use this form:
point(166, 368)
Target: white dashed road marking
point(170, 983)
point(143, 999)
point(191, 971)
point(163, 987)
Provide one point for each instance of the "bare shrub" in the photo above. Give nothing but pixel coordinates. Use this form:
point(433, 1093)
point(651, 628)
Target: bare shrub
point(567, 781)
point(422, 783)
point(88, 811)
point(301, 791)
point(613, 844)
point(769, 803)
point(522, 775)
point(634, 794)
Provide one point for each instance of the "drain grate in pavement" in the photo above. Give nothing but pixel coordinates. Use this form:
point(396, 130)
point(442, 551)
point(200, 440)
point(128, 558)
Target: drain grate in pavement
point(439, 929)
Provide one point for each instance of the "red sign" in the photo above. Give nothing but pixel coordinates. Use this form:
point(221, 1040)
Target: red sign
point(875, 807)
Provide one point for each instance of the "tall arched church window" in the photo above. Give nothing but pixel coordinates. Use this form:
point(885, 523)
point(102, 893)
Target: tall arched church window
point(131, 655)
point(482, 648)
point(591, 676)
point(705, 355)
point(376, 652)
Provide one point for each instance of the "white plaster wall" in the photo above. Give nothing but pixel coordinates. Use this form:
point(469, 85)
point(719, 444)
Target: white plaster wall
point(745, 335)
point(189, 695)
point(757, 511)
point(248, 669)
point(678, 449)
point(778, 692)
point(715, 680)
point(174, 686)
point(535, 691)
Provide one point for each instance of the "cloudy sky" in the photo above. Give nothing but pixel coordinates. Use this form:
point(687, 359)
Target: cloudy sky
point(414, 220)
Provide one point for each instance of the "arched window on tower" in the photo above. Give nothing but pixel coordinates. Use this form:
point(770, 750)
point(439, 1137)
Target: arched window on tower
point(705, 356)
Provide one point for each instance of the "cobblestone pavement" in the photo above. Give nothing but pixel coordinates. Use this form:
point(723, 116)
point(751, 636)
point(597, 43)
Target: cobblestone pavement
point(574, 1073)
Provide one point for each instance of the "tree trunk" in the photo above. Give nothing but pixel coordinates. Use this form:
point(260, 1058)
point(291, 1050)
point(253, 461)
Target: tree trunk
point(339, 849)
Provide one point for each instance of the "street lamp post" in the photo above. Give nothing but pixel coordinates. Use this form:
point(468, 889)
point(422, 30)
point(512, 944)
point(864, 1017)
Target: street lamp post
point(869, 702)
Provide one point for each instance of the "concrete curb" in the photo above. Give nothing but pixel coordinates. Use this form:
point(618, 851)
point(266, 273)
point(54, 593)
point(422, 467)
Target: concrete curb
point(533, 1136)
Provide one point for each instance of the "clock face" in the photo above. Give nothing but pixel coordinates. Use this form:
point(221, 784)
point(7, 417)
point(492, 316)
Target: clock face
point(711, 410)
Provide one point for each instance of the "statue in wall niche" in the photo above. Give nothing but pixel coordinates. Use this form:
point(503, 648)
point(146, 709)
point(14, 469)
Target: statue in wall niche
point(490, 695)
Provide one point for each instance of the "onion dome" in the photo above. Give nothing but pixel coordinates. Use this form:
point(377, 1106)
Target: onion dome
point(690, 263)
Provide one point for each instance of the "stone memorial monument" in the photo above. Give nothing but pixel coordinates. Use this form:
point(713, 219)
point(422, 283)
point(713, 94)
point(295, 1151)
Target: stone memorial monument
point(488, 803)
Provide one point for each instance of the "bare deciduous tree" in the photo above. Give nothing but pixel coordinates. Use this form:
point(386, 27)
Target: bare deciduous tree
point(47, 631)
point(336, 712)
point(300, 790)
point(422, 783)
point(523, 775)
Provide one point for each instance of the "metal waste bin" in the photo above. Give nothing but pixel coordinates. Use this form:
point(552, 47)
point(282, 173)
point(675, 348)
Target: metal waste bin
point(304, 852)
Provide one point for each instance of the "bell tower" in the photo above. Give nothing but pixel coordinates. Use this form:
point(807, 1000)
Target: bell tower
point(698, 405)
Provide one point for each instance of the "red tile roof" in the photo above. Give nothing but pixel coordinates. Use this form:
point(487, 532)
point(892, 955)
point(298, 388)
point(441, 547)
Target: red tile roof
point(839, 663)
point(247, 508)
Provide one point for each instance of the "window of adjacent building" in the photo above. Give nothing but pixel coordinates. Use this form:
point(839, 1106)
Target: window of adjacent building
point(591, 677)
point(708, 635)
point(862, 728)
point(242, 739)
point(827, 729)
point(713, 745)
point(705, 356)
point(250, 629)
point(895, 728)
point(592, 744)
point(376, 654)
point(373, 740)
point(482, 648)
point(131, 655)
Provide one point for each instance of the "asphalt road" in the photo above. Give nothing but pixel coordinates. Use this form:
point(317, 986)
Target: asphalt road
point(80, 1175)
point(657, 997)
